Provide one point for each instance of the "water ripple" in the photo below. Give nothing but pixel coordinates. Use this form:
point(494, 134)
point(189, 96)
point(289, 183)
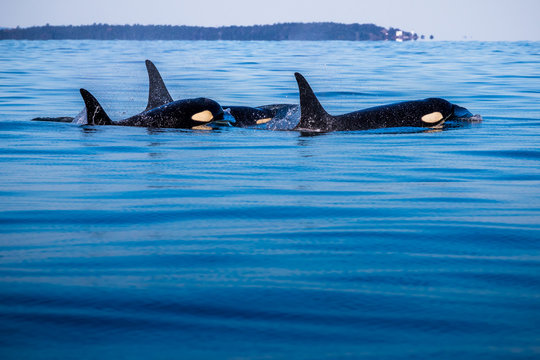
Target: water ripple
point(235, 243)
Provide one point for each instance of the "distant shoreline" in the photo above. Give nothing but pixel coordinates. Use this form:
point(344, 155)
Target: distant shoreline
point(276, 32)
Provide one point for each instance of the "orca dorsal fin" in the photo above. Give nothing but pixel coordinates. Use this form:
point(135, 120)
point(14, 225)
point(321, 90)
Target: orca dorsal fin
point(157, 91)
point(94, 112)
point(312, 114)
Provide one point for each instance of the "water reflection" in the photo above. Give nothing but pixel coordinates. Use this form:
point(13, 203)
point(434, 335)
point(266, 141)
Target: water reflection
point(309, 134)
point(155, 131)
point(155, 154)
point(89, 129)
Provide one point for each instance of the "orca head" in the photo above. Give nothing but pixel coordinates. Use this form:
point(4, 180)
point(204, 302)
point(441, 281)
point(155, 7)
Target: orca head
point(449, 111)
point(440, 108)
point(461, 113)
point(435, 111)
point(245, 116)
point(201, 111)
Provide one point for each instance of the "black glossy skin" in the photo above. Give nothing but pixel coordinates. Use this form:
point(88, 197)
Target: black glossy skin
point(246, 116)
point(404, 114)
point(157, 91)
point(64, 119)
point(177, 114)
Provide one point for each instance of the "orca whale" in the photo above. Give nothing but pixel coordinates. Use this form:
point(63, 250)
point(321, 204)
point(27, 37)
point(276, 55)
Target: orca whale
point(243, 116)
point(431, 112)
point(180, 114)
point(246, 116)
point(157, 95)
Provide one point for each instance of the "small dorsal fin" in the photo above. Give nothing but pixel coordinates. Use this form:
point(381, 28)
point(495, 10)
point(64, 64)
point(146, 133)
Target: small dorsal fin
point(94, 112)
point(312, 114)
point(157, 91)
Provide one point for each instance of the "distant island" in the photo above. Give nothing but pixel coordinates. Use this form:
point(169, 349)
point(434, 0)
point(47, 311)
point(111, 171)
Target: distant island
point(275, 32)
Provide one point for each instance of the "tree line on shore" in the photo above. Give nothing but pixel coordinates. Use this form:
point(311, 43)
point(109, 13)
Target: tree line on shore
point(276, 32)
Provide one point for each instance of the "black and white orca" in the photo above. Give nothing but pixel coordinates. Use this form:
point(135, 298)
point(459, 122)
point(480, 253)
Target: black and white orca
point(246, 116)
point(180, 114)
point(432, 112)
point(158, 95)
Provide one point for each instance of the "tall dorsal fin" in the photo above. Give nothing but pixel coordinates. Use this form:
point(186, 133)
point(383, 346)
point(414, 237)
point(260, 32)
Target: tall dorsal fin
point(312, 114)
point(157, 91)
point(94, 112)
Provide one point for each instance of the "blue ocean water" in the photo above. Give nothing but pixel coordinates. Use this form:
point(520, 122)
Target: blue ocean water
point(131, 243)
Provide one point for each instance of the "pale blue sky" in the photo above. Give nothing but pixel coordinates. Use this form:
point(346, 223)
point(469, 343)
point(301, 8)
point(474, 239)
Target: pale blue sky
point(447, 20)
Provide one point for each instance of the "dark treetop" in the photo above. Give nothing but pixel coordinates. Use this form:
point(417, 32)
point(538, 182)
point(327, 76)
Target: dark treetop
point(286, 31)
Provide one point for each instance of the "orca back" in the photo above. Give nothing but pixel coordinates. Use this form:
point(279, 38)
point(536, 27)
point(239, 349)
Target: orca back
point(157, 91)
point(94, 111)
point(312, 114)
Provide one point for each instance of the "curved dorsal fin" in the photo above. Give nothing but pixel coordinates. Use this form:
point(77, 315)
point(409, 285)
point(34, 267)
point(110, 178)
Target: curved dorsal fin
point(312, 114)
point(94, 112)
point(157, 91)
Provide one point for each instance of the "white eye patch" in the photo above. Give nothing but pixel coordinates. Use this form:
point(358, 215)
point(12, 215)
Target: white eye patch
point(203, 116)
point(432, 117)
point(263, 121)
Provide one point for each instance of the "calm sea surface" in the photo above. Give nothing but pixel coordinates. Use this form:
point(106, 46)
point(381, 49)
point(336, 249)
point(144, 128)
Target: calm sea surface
point(126, 243)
